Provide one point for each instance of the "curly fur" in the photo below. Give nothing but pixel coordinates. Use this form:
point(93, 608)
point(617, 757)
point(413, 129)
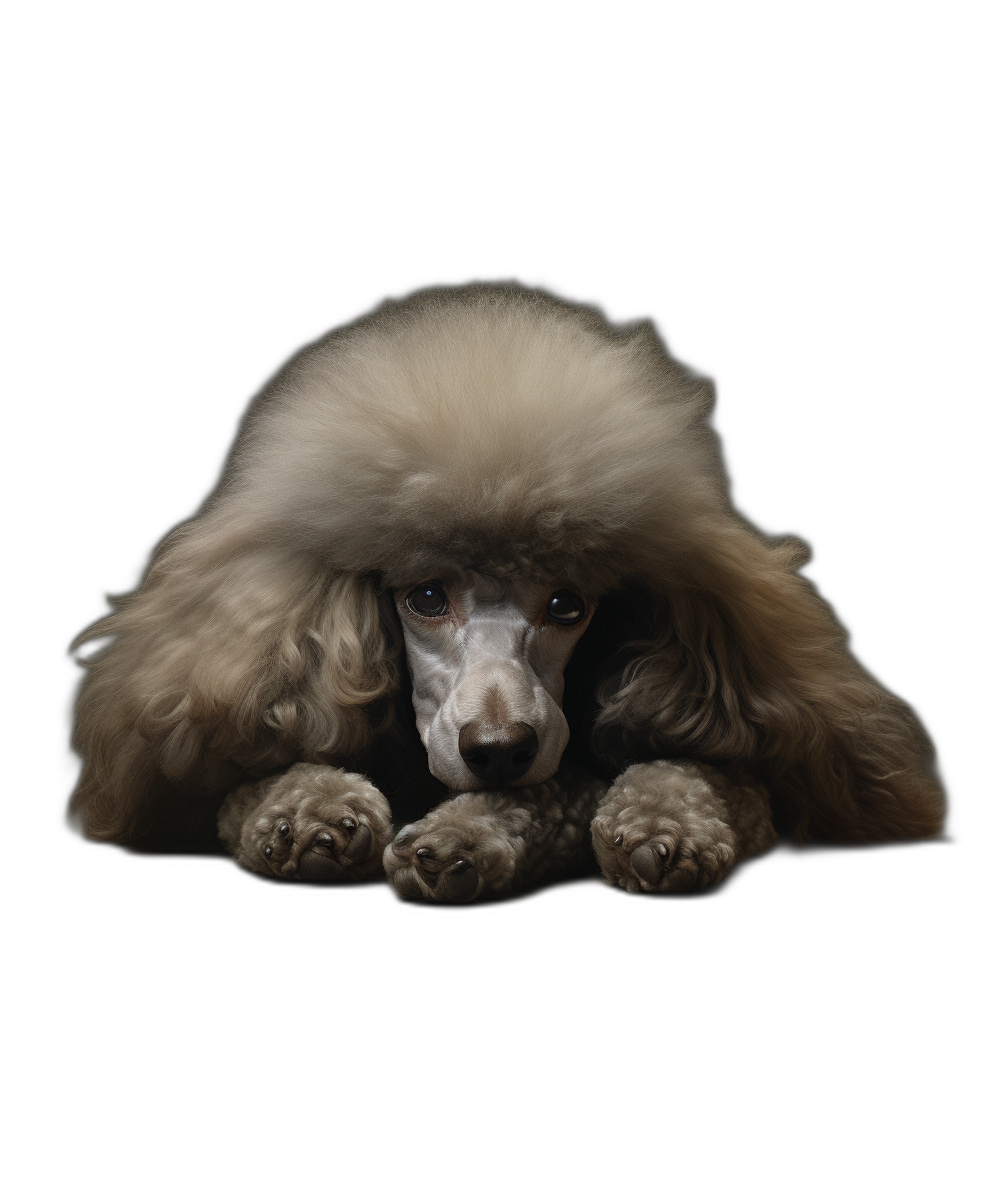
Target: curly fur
point(493, 428)
point(307, 799)
point(511, 839)
point(708, 819)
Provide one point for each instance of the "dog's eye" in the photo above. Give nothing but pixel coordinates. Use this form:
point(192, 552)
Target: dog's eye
point(565, 608)
point(428, 600)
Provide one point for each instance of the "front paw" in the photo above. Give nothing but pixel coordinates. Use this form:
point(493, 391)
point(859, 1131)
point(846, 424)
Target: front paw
point(449, 858)
point(438, 864)
point(317, 823)
point(661, 829)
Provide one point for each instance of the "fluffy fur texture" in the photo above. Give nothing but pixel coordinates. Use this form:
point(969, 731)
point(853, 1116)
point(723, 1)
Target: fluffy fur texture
point(710, 820)
point(496, 429)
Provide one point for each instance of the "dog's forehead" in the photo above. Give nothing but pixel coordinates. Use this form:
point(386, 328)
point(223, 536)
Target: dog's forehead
point(491, 574)
point(492, 595)
point(514, 609)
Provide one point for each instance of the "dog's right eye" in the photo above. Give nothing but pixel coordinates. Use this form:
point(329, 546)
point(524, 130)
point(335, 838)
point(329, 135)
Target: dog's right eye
point(428, 600)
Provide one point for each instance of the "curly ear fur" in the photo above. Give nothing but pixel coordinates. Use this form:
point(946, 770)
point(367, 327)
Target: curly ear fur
point(237, 653)
point(746, 663)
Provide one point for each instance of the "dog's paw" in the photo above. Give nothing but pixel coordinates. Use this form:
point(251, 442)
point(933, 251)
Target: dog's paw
point(661, 828)
point(434, 866)
point(450, 857)
point(317, 823)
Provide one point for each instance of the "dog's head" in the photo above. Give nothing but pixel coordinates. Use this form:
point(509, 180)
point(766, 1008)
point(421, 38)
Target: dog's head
point(486, 659)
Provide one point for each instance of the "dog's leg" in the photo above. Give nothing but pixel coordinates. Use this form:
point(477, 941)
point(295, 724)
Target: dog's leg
point(312, 822)
point(676, 826)
point(489, 844)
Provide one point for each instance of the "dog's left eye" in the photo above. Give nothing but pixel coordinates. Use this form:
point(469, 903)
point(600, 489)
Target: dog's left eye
point(428, 600)
point(565, 608)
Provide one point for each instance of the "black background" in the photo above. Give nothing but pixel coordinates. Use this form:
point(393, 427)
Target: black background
point(795, 274)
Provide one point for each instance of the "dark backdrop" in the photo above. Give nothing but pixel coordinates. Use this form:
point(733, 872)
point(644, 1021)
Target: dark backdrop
point(184, 284)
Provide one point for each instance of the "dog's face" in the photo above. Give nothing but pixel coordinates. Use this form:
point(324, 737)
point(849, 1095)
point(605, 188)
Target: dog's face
point(486, 658)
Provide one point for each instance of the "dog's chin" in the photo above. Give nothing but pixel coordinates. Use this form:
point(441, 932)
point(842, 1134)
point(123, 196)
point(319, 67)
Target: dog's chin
point(461, 780)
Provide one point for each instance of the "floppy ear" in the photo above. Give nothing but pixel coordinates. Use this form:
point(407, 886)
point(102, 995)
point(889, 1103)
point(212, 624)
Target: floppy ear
point(746, 663)
point(237, 653)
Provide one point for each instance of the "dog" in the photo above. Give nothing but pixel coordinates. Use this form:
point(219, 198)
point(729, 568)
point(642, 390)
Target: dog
point(472, 567)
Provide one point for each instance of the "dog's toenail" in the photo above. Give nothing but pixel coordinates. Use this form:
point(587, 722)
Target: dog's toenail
point(325, 838)
point(267, 851)
point(456, 869)
point(284, 830)
point(348, 824)
point(662, 850)
point(618, 841)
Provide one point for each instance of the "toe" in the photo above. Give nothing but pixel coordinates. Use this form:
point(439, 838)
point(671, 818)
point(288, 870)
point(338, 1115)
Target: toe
point(458, 883)
point(406, 836)
point(318, 865)
point(427, 860)
point(408, 882)
point(646, 861)
point(359, 847)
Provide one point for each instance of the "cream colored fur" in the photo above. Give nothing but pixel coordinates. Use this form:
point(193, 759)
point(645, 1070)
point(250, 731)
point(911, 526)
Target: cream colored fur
point(495, 429)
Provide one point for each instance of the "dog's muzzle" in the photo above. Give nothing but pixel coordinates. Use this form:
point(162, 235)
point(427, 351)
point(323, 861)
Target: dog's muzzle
point(498, 752)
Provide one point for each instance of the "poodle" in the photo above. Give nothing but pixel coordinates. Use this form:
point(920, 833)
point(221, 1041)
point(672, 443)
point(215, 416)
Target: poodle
point(470, 603)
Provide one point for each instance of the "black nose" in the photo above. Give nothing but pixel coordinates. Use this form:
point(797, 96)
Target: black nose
point(498, 752)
